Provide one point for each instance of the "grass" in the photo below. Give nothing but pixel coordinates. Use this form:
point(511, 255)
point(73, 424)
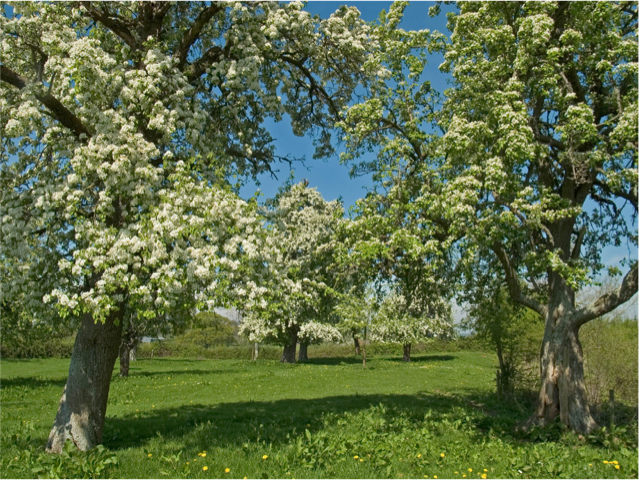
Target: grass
point(436, 417)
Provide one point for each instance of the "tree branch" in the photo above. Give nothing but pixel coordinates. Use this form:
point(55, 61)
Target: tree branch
point(608, 301)
point(55, 107)
point(112, 22)
point(313, 86)
point(513, 282)
point(193, 33)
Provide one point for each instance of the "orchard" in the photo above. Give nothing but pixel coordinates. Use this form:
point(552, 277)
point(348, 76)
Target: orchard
point(134, 136)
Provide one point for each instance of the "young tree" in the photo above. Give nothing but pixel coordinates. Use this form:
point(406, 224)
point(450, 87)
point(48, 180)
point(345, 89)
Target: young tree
point(357, 310)
point(506, 325)
point(121, 123)
point(396, 322)
point(540, 165)
point(299, 251)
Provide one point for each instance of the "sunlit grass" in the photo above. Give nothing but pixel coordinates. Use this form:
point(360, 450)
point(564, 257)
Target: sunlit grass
point(436, 417)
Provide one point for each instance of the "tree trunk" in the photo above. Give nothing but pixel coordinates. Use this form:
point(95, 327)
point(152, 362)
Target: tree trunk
point(255, 351)
point(125, 357)
point(127, 349)
point(303, 353)
point(288, 356)
point(406, 357)
point(356, 340)
point(82, 409)
point(563, 389)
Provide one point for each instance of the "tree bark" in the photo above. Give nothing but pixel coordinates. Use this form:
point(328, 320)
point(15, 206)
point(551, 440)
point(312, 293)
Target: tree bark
point(563, 388)
point(303, 353)
point(356, 340)
point(125, 356)
point(406, 357)
point(255, 352)
point(127, 349)
point(82, 409)
point(288, 356)
point(364, 355)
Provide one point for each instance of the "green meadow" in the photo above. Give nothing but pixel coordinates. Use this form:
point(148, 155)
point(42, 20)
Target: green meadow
point(436, 417)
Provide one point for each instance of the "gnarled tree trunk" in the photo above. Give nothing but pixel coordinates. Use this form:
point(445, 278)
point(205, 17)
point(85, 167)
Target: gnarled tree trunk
point(303, 353)
point(82, 409)
point(563, 388)
point(288, 356)
point(356, 340)
point(406, 357)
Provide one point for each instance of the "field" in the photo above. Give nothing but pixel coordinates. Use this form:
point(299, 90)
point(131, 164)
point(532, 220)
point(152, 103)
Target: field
point(436, 417)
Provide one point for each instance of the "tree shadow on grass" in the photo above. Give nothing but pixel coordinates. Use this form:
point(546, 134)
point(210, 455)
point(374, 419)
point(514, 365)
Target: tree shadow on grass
point(333, 361)
point(204, 426)
point(425, 358)
point(138, 372)
point(32, 382)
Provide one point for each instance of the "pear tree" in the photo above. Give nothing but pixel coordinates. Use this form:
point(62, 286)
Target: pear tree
point(122, 125)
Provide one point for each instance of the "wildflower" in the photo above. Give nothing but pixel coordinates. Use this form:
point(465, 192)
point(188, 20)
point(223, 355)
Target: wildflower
point(590, 464)
point(204, 454)
point(483, 475)
point(356, 457)
point(419, 455)
point(434, 476)
point(615, 462)
point(150, 455)
point(464, 476)
point(264, 457)
point(361, 459)
point(456, 472)
point(485, 469)
point(442, 455)
point(227, 470)
point(470, 469)
point(187, 463)
point(617, 467)
point(205, 468)
point(425, 476)
point(606, 462)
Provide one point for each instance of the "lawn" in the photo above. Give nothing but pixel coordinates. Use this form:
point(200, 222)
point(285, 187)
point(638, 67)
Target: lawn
point(436, 417)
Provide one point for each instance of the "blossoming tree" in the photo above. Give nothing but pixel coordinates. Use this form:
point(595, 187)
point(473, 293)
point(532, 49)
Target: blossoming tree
point(536, 170)
point(121, 123)
point(299, 251)
point(396, 322)
point(541, 134)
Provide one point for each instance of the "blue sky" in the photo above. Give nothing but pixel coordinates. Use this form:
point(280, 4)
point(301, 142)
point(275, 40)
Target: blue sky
point(329, 177)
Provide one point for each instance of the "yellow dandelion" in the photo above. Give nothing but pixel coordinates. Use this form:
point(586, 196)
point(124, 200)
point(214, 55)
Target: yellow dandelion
point(150, 455)
point(227, 470)
point(483, 475)
point(361, 459)
point(470, 469)
point(590, 464)
point(617, 467)
point(442, 455)
point(456, 472)
point(419, 455)
point(485, 470)
point(204, 454)
point(615, 462)
point(464, 476)
point(606, 462)
point(356, 457)
point(434, 476)
point(187, 463)
point(425, 476)
point(205, 468)
point(264, 457)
